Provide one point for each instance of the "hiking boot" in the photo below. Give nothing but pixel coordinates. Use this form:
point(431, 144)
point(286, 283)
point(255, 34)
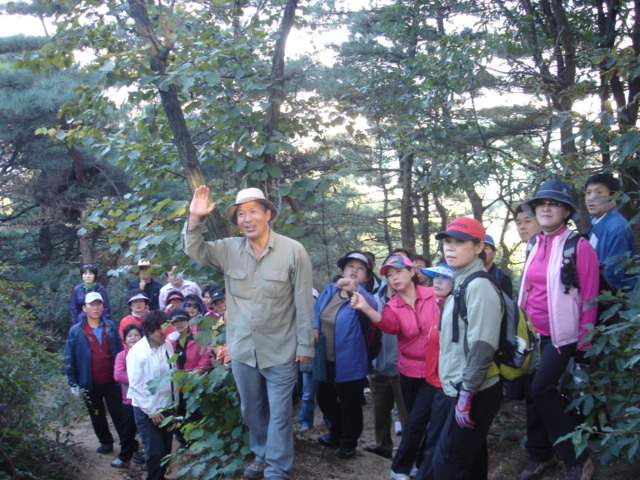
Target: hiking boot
point(584, 471)
point(104, 448)
point(377, 450)
point(533, 469)
point(345, 453)
point(138, 458)
point(117, 463)
point(399, 476)
point(327, 440)
point(254, 470)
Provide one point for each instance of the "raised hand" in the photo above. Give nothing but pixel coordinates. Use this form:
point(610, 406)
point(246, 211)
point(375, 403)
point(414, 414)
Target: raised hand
point(200, 205)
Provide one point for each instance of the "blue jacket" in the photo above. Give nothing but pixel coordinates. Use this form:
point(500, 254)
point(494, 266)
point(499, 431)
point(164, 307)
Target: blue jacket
point(77, 353)
point(613, 239)
point(77, 301)
point(350, 346)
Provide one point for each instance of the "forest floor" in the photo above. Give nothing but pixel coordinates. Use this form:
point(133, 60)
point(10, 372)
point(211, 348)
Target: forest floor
point(314, 462)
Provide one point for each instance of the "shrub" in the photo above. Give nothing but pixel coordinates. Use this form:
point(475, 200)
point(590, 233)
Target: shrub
point(219, 435)
point(31, 406)
point(611, 398)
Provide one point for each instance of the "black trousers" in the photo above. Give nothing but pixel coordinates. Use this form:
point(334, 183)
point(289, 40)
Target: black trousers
point(111, 395)
point(341, 404)
point(461, 453)
point(547, 419)
point(157, 444)
point(440, 411)
point(422, 429)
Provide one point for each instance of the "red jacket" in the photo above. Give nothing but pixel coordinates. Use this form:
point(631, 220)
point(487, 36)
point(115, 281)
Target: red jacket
point(417, 331)
point(197, 357)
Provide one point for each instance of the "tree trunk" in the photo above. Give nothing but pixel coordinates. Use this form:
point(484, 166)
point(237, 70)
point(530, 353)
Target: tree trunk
point(408, 234)
point(158, 55)
point(276, 88)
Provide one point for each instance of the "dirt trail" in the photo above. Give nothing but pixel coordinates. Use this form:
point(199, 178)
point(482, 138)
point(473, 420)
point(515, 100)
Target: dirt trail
point(314, 462)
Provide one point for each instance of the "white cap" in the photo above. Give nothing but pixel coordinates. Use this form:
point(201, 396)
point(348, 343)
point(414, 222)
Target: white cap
point(92, 297)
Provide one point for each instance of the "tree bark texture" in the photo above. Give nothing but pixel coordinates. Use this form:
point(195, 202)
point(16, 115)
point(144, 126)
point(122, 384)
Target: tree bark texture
point(158, 57)
point(276, 88)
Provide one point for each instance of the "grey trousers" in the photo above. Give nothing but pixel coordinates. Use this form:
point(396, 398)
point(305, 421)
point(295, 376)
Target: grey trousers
point(266, 405)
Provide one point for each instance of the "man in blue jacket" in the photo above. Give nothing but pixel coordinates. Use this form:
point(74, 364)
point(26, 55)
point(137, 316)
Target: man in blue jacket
point(610, 233)
point(91, 347)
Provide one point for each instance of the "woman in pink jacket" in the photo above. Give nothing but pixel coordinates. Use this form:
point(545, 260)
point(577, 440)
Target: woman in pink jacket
point(560, 313)
point(132, 334)
point(413, 315)
point(191, 356)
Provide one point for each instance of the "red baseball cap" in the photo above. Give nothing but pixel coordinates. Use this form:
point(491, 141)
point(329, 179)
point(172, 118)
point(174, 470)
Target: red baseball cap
point(397, 261)
point(464, 228)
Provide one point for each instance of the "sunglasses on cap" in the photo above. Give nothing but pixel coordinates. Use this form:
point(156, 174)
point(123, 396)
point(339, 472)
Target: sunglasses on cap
point(547, 203)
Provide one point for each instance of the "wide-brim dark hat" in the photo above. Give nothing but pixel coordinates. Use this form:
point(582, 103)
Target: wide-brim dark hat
point(354, 256)
point(555, 190)
point(250, 195)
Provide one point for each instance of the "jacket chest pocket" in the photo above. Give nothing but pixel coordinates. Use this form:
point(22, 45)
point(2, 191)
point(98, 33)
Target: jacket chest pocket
point(238, 283)
point(276, 283)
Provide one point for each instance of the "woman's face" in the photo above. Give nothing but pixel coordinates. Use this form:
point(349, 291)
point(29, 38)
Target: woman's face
point(551, 214)
point(192, 308)
point(442, 285)
point(220, 305)
point(207, 300)
point(157, 338)
point(138, 307)
point(132, 337)
point(88, 277)
point(356, 270)
point(181, 324)
point(459, 253)
point(400, 279)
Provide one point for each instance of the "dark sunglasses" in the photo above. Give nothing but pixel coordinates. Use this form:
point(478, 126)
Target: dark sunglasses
point(547, 203)
point(192, 305)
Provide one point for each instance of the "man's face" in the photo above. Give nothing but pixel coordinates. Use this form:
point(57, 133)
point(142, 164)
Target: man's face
point(253, 220)
point(144, 273)
point(490, 253)
point(527, 226)
point(599, 199)
point(93, 310)
point(422, 278)
point(175, 279)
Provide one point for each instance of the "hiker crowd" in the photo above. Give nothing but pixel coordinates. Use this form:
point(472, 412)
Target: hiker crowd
point(427, 340)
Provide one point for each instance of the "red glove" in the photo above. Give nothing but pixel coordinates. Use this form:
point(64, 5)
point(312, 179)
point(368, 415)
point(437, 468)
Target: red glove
point(463, 410)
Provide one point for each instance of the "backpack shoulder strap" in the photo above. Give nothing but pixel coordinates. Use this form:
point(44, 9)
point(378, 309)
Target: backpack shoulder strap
point(460, 304)
point(530, 244)
point(569, 278)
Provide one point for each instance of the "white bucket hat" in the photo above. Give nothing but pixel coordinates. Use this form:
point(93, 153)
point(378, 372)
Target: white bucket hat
point(250, 195)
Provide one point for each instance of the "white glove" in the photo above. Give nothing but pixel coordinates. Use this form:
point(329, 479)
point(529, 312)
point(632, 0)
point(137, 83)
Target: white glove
point(75, 391)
